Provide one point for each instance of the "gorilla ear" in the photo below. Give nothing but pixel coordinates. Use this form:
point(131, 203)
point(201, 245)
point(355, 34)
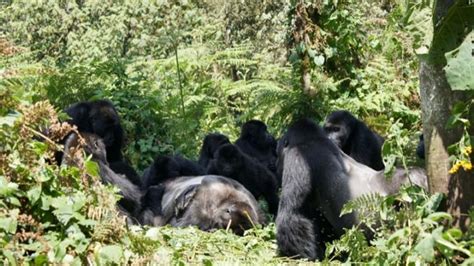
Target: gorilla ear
point(183, 200)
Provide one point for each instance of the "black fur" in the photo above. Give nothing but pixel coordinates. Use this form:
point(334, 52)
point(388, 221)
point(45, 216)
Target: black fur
point(101, 118)
point(209, 146)
point(355, 138)
point(229, 161)
point(166, 167)
point(256, 142)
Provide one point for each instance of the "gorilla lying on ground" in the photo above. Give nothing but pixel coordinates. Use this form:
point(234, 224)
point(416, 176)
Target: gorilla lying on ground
point(318, 179)
point(129, 204)
point(256, 142)
point(209, 146)
point(208, 202)
point(101, 118)
point(355, 138)
point(229, 161)
point(165, 167)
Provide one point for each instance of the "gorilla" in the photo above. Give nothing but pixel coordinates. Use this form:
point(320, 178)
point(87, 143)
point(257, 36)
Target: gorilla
point(230, 162)
point(165, 167)
point(210, 144)
point(101, 118)
point(130, 203)
point(355, 138)
point(420, 149)
point(256, 142)
point(124, 168)
point(209, 202)
point(318, 179)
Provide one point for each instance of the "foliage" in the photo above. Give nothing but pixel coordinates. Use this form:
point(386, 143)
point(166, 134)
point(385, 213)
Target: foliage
point(408, 229)
point(177, 70)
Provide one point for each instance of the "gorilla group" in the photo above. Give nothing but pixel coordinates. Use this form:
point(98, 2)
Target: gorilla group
point(318, 170)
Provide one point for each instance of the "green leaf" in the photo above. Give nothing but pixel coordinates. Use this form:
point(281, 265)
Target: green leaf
point(460, 65)
point(438, 216)
point(425, 248)
point(110, 254)
point(92, 168)
point(34, 194)
point(8, 225)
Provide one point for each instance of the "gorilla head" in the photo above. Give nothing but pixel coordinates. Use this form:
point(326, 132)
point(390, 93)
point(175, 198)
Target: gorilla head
point(255, 132)
point(229, 160)
point(338, 127)
point(209, 146)
point(355, 138)
point(209, 202)
point(101, 118)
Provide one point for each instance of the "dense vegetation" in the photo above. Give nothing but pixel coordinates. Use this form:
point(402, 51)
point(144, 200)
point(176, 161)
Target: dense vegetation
point(178, 70)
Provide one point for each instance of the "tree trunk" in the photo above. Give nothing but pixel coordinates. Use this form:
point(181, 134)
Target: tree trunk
point(437, 100)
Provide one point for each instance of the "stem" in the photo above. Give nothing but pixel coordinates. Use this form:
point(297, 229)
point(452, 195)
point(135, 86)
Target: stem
point(180, 86)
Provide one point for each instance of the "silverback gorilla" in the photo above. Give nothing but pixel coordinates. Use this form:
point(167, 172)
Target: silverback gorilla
point(318, 179)
point(256, 142)
point(209, 146)
point(209, 202)
point(355, 138)
point(229, 161)
point(101, 118)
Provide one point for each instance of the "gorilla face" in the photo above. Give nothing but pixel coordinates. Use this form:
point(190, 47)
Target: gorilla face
point(104, 120)
point(338, 127)
point(228, 159)
point(338, 133)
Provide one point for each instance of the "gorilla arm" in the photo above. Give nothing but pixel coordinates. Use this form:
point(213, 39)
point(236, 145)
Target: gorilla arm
point(295, 231)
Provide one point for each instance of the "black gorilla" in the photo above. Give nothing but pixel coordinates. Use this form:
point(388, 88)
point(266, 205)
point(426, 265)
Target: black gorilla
point(130, 203)
point(165, 167)
point(229, 161)
point(208, 202)
point(101, 118)
point(420, 149)
point(124, 168)
point(256, 142)
point(355, 138)
point(318, 179)
point(209, 146)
